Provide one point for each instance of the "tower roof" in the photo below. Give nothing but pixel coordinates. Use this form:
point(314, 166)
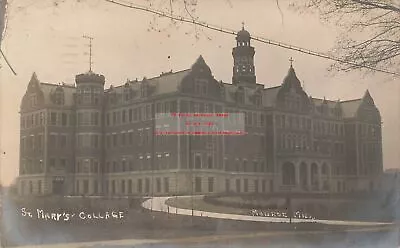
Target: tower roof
point(291, 78)
point(243, 35)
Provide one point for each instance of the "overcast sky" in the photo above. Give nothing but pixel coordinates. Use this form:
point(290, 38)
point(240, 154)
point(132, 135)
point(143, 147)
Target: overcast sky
point(47, 38)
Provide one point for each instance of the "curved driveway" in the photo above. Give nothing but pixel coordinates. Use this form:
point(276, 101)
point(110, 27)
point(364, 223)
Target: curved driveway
point(158, 204)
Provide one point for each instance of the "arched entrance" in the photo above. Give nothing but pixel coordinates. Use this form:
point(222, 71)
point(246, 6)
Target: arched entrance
point(288, 174)
point(303, 175)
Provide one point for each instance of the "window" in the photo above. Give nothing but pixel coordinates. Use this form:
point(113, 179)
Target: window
point(85, 186)
point(114, 118)
point(264, 186)
point(123, 116)
point(123, 186)
point(52, 140)
point(256, 186)
point(53, 118)
point(140, 185)
point(96, 119)
point(63, 141)
point(147, 185)
point(166, 184)
point(135, 114)
point(113, 186)
point(130, 186)
point(210, 184)
point(95, 141)
point(130, 138)
point(95, 187)
point(246, 185)
point(39, 142)
point(64, 119)
point(130, 115)
point(63, 163)
point(123, 137)
point(198, 184)
point(33, 100)
point(115, 140)
point(238, 186)
point(210, 162)
point(158, 185)
point(148, 112)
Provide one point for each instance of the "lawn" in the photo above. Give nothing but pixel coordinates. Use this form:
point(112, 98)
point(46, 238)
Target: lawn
point(201, 205)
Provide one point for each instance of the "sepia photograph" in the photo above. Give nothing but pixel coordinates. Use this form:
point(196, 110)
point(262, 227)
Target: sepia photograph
point(200, 123)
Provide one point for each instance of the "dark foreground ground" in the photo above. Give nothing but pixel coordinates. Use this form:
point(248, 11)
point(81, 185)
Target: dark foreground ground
point(329, 240)
point(184, 231)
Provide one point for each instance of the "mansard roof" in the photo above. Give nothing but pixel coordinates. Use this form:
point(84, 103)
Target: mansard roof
point(270, 95)
point(48, 89)
point(168, 82)
point(171, 82)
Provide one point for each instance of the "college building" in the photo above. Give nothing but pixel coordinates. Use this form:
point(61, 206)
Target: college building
point(83, 139)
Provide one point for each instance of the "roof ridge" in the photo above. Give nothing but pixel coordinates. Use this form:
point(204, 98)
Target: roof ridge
point(63, 85)
point(169, 73)
point(274, 87)
point(358, 99)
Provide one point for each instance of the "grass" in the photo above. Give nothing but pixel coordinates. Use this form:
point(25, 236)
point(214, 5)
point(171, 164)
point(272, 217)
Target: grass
point(201, 205)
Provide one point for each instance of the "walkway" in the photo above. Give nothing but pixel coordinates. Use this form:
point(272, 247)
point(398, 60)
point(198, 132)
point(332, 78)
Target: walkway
point(158, 204)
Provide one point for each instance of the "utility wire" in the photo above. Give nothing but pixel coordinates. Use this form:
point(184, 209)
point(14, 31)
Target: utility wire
point(256, 38)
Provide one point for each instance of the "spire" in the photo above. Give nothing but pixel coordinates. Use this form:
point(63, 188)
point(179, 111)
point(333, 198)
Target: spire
point(291, 77)
point(291, 62)
point(368, 98)
point(242, 25)
point(34, 76)
point(200, 59)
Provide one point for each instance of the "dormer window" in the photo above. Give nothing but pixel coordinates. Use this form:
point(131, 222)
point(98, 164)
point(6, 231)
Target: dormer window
point(59, 96)
point(200, 87)
point(33, 100)
point(143, 90)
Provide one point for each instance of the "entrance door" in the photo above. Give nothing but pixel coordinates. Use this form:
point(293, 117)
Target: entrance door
point(58, 186)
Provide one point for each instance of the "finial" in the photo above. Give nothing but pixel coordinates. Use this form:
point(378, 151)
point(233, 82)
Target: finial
point(291, 62)
point(242, 25)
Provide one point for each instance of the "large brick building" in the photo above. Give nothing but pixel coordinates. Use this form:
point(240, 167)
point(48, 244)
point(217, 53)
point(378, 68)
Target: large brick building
point(83, 139)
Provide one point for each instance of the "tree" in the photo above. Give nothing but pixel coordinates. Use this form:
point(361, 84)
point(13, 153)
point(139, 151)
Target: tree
point(370, 31)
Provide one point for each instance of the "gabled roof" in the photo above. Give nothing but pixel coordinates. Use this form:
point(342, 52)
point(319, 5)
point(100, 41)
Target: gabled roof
point(350, 108)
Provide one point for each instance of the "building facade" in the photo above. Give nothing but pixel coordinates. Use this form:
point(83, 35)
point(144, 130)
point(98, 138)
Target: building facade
point(83, 139)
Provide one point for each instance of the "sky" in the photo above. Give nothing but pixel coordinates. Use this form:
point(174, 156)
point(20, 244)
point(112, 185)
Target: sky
point(45, 37)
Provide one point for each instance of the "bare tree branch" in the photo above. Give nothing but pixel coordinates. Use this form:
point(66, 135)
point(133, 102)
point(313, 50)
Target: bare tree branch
point(370, 31)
